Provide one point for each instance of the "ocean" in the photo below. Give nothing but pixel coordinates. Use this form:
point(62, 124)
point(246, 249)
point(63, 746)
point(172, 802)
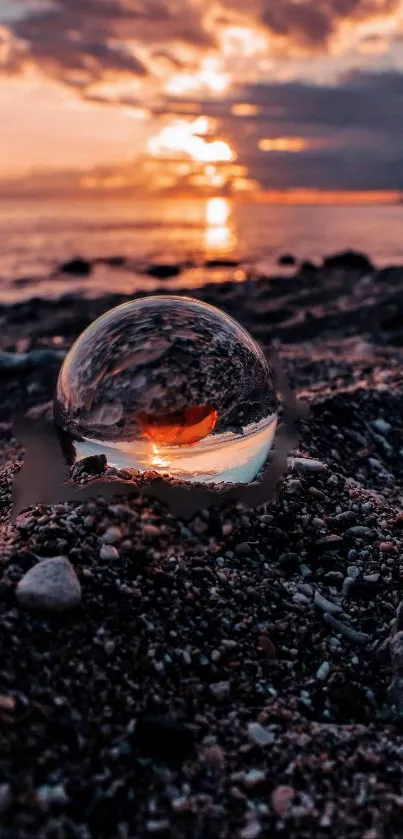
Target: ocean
point(36, 236)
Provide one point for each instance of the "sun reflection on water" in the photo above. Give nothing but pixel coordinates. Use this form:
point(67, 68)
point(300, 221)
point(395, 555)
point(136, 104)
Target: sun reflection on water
point(219, 233)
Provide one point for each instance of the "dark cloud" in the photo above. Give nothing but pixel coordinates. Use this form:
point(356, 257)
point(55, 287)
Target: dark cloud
point(310, 23)
point(353, 132)
point(81, 42)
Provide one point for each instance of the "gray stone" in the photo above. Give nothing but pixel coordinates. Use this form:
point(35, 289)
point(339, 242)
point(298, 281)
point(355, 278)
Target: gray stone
point(260, 735)
point(52, 585)
point(305, 464)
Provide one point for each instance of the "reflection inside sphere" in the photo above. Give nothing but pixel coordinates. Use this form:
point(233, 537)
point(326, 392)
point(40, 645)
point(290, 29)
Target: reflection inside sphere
point(172, 385)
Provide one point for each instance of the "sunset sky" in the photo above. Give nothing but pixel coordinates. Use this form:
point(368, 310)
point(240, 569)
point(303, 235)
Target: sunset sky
point(216, 96)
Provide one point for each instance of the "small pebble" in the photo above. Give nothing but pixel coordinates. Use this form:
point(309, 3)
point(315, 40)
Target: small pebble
point(112, 535)
point(251, 830)
point(254, 777)
point(220, 689)
point(109, 552)
point(386, 547)
point(6, 797)
point(243, 549)
point(305, 465)
point(326, 605)
point(323, 671)
point(281, 798)
point(259, 735)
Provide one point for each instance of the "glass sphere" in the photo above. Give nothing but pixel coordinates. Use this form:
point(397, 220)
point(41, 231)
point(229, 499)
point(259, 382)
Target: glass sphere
point(171, 385)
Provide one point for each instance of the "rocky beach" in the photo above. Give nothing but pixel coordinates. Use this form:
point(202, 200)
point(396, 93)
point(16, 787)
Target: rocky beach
point(234, 675)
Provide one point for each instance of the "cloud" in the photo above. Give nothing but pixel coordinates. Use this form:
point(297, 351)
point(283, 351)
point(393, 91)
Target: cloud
point(311, 23)
point(83, 42)
point(352, 129)
point(352, 132)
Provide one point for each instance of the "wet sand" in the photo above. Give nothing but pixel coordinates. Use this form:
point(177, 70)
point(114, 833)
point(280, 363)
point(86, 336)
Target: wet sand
point(239, 674)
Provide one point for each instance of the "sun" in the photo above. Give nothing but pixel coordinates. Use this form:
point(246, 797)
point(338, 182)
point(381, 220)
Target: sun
point(191, 140)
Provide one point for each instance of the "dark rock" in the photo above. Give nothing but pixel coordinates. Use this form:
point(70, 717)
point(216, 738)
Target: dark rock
point(308, 267)
point(222, 263)
point(79, 267)
point(243, 549)
point(328, 543)
point(93, 465)
point(289, 561)
point(360, 589)
point(25, 362)
point(163, 738)
point(287, 259)
point(163, 271)
point(346, 519)
point(114, 261)
point(350, 260)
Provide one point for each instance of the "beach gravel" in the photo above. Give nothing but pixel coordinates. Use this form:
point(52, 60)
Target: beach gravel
point(233, 676)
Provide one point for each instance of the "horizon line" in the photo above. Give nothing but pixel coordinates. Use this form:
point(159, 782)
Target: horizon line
point(293, 196)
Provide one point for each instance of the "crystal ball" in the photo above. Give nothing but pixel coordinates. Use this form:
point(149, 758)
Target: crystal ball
point(172, 385)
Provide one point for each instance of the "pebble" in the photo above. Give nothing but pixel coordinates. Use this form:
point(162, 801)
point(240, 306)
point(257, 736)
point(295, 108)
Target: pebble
point(347, 631)
point(259, 735)
point(381, 425)
point(386, 547)
point(333, 578)
point(371, 578)
point(243, 549)
point(93, 465)
point(157, 826)
point(51, 584)
point(326, 605)
point(305, 465)
point(323, 671)
point(112, 535)
point(348, 582)
point(360, 531)
point(300, 598)
point(252, 829)
point(353, 571)
point(329, 543)
point(7, 703)
point(254, 777)
point(281, 798)
point(109, 552)
point(6, 797)
point(46, 795)
point(220, 689)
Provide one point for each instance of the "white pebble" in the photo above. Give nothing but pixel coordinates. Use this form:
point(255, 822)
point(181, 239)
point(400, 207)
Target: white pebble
point(326, 605)
point(112, 535)
point(220, 689)
point(381, 425)
point(252, 830)
point(108, 552)
point(254, 777)
point(52, 585)
point(323, 671)
point(259, 735)
point(47, 795)
point(305, 464)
